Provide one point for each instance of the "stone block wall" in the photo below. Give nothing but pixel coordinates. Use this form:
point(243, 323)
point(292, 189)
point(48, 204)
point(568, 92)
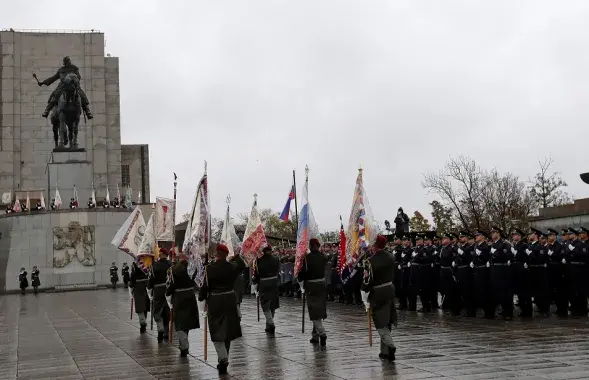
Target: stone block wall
point(27, 240)
point(26, 139)
point(137, 157)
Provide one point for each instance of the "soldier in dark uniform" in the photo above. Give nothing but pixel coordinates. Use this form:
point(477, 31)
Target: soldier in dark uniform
point(181, 299)
point(538, 268)
point(398, 275)
point(558, 288)
point(564, 236)
point(114, 274)
point(406, 258)
point(138, 292)
point(419, 277)
point(35, 282)
point(312, 280)
point(482, 279)
point(433, 256)
point(126, 275)
point(501, 276)
point(219, 292)
point(158, 276)
point(464, 273)
point(239, 286)
point(579, 271)
point(448, 286)
point(521, 275)
point(379, 295)
point(265, 279)
point(67, 68)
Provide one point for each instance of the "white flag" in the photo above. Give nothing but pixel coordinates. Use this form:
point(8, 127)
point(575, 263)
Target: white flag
point(228, 235)
point(42, 201)
point(57, 198)
point(198, 231)
point(28, 202)
point(254, 237)
point(164, 219)
point(119, 194)
point(16, 207)
point(148, 242)
point(93, 196)
point(7, 197)
point(107, 196)
point(139, 198)
point(129, 237)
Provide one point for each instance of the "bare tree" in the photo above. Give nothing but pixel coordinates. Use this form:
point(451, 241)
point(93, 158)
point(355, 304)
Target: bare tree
point(546, 187)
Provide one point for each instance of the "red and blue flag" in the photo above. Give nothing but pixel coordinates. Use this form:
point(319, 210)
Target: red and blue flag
point(286, 211)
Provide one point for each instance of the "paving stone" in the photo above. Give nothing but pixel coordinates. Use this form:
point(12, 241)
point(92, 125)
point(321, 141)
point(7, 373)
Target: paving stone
point(88, 335)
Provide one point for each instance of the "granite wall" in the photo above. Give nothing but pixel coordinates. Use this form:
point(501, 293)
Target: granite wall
point(28, 239)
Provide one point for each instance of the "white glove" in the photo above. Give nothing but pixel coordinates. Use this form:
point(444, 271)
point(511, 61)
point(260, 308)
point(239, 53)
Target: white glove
point(408, 265)
point(549, 253)
point(365, 299)
point(493, 250)
point(508, 262)
point(414, 254)
point(513, 250)
point(150, 294)
point(488, 265)
point(526, 265)
point(472, 265)
point(528, 252)
point(399, 267)
point(131, 292)
point(478, 252)
point(571, 247)
point(302, 290)
point(302, 285)
point(453, 263)
point(402, 255)
point(202, 307)
point(564, 261)
point(460, 251)
point(169, 300)
point(545, 265)
point(255, 290)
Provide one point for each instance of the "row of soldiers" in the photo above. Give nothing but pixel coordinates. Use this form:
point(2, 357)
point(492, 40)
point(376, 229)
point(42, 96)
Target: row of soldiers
point(478, 271)
point(169, 288)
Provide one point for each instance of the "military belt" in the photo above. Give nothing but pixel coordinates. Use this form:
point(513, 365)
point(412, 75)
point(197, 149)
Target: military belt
point(184, 289)
point(316, 280)
point(222, 293)
point(268, 278)
point(463, 266)
point(419, 265)
point(536, 265)
point(142, 280)
point(159, 285)
point(445, 267)
point(500, 264)
point(480, 266)
point(382, 285)
point(577, 263)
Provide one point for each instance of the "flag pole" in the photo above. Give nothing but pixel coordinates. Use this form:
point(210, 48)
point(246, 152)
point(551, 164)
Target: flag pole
point(153, 261)
point(369, 314)
point(171, 323)
point(205, 318)
point(254, 269)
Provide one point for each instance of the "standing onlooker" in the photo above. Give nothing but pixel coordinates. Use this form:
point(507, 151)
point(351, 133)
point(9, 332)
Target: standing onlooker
point(401, 223)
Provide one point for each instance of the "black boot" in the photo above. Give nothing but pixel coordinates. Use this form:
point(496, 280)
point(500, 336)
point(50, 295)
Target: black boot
point(323, 340)
point(392, 351)
point(88, 113)
point(48, 109)
point(183, 353)
point(142, 329)
point(160, 336)
point(222, 367)
point(271, 330)
point(314, 340)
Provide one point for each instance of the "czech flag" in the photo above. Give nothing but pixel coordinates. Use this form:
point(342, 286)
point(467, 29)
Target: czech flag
point(286, 211)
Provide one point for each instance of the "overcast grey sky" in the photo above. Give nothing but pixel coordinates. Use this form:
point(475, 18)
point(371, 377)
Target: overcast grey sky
point(261, 87)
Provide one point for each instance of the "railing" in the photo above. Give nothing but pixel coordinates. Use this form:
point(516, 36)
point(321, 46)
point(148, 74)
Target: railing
point(68, 31)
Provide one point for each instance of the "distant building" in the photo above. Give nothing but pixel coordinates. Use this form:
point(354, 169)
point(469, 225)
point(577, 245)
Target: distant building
point(558, 217)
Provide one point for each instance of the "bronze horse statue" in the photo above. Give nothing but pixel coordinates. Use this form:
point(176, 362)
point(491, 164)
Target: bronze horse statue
point(65, 118)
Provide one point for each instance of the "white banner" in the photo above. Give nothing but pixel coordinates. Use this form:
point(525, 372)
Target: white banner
point(148, 242)
point(129, 237)
point(164, 219)
point(7, 198)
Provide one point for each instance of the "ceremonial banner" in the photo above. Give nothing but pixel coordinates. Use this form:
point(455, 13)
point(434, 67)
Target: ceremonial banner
point(285, 215)
point(254, 237)
point(228, 235)
point(198, 231)
point(28, 202)
point(307, 229)
point(76, 203)
point(16, 207)
point(164, 219)
point(107, 199)
point(362, 229)
point(148, 241)
point(7, 197)
point(93, 196)
point(129, 237)
point(42, 201)
point(57, 201)
point(341, 262)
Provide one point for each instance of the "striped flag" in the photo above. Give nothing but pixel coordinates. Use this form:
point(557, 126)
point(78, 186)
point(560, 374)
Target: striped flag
point(307, 228)
point(286, 210)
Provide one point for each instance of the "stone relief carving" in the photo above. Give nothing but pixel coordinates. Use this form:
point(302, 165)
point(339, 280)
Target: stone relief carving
point(75, 241)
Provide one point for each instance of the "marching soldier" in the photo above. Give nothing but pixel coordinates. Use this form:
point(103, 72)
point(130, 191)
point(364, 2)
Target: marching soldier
point(138, 292)
point(239, 286)
point(579, 261)
point(311, 278)
point(434, 269)
point(219, 292)
point(520, 272)
point(181, 299)
point(398, 275)
point(464, 273)
point(35, 281)
point(378, 296)
point(482, 279)
point(418, 276)
point(114, 275)
point(23, 282)
point(537, 265)
point(265, 280)
point(158, 276)
point(501, 276)
point(558, 287)
point(405, 263)
point(126, 275)
point(448, 286)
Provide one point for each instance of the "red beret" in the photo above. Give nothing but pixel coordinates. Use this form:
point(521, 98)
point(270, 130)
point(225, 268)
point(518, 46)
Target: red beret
point(381, 242)
point(222, 248)
point(164, 251)
point(314, 241)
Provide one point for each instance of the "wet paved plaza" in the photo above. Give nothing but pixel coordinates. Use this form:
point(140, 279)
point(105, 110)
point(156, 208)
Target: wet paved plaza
point(89, 335)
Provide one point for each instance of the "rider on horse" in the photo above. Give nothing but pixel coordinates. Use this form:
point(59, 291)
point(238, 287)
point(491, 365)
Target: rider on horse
point(64, 70)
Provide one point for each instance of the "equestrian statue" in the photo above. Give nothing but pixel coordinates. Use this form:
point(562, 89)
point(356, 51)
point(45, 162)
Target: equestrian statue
point(70, 100)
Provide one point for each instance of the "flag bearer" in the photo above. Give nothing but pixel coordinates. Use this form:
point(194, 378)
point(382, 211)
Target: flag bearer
point(156, 286)
point(265, 282)
point(138, 292)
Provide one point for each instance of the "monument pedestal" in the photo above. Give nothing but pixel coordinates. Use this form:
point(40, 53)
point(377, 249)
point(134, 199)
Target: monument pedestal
point(66, 170)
